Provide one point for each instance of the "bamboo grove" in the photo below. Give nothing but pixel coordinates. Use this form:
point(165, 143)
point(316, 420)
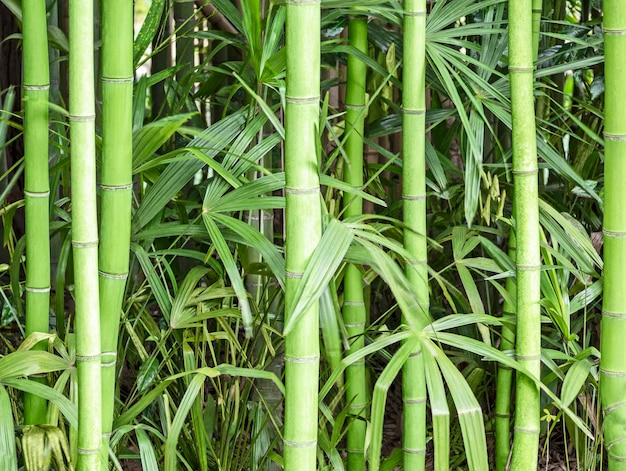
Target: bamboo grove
point(312, 235)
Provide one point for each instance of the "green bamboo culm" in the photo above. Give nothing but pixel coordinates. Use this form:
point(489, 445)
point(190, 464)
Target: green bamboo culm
point(85, 233)
point(505, 374)
point(414, 214)
point(183, 20)
point(354, 314)
point(116, 190)
point(528, 263)
point(36, 183)
point(303, 230)
point(612, 367)
point(537, 9)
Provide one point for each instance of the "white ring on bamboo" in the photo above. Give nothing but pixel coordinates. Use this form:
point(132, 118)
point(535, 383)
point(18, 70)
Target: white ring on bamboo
point(614, 32)
point(308, 444)
point(414, 402)
point(114, 276)
point(526, 172)
point(117, 80)
point(410, 111)
point(521, 69)
point(294, 274)
point(301, 191)
point(616, 234)
point(528, 267)
point(353, 303)
point(85, 245)
point(88, 357)
point(610, 409)
point(621, 459)
point(37, 290)
point(532, 431)
point(129, 186)
point(415, 13)
point(85, 451)
point(528, 357)
point(414, 452)
point(613, 374)
point(37, 194)
point(615, 315)
point(414, 197)
point(353, 451)
point(614, 137)
point(304, 100)
point(303, 360)
point(82, 118)
point(354, 324)
point(354, 107)
point(37, 87)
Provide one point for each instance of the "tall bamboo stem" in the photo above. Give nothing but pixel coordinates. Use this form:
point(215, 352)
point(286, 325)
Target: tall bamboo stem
point(354, 313)
point(36, 183)
point(116, 186)
point(528, 264)
point(85, 233)
point(303, 229)
point(414, 211)
point(612, 367)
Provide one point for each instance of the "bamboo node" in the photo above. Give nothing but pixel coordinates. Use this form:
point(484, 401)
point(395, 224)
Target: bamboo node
point(113, 276)
point(354, 107)
point(613, 374)
point(84, 245)
point(415, 13)
point(128, 186)
point(30, 289)
point(88, 451)
point(303, 360)
point(614, 234)
point(410, 451)
point(117, 80)
point(302, 100)
point(410, 111)
point(107, 435)
point(354, 303)
point(537, 10)
point(521, 69)
point(82, 118)
point(528, 357)
point(613, 32)
point(501, 416)
point(37, 87)
point(414, 402)
point(529, 430)
point(615, 315)
point(302, 2)
point(293, 274)
point(355, 452)
point(307, 444)
point(614, 137)
point(88, 357)
point(415, 354)
point(302, 191)
point(414, 197)
point(37, 194)
point(613, 457)
point(534, 171)
point(608, 410)
point(528, 267)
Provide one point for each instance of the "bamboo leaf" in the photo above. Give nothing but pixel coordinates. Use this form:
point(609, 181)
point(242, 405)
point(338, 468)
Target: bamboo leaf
point(322, 265)
point(8, 451)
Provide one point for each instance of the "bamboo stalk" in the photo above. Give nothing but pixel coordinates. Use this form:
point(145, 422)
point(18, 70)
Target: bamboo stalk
point(612, 367)
point(303, 229)
point(528, 264)
point(354, 313)
point(414, 211)
point(36, 183)
point(116, 186)
point(85, 233)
